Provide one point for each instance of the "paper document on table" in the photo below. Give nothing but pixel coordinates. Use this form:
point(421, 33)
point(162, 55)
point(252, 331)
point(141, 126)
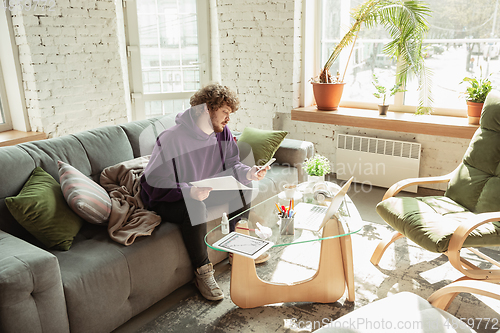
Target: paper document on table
point(221, 184)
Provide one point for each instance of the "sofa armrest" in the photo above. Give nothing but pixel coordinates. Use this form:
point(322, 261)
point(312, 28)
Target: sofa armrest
point(31, 291)
point(294, 152)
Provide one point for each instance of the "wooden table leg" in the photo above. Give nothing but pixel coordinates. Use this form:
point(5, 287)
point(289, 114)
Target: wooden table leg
point(326, 286)
point(346, 246)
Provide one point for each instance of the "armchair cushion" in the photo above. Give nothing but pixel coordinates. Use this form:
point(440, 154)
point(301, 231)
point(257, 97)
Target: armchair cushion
point(430, 222)
point(476, 183)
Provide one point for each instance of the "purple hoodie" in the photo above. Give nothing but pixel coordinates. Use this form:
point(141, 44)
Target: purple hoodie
point(184, 153)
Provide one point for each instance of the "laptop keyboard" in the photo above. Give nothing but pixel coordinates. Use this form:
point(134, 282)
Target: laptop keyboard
point(309, 216)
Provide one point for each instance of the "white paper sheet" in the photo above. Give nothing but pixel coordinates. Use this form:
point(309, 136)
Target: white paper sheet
point(221, 183)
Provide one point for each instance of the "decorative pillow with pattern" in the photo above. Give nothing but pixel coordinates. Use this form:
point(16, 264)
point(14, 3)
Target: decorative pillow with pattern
point(85, 197)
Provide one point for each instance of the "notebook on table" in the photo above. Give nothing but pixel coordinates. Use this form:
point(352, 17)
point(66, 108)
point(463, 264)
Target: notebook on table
point(314, 217)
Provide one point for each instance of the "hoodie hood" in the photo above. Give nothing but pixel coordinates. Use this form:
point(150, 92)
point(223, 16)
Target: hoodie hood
point(188, 118)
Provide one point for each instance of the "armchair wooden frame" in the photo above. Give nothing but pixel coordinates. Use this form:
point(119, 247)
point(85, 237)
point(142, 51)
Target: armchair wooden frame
point(470, 271)
point(443, 297)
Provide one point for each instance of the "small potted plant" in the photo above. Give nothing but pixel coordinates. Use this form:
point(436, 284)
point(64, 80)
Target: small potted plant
point(381, 92)
point(475, 95)
point(316, 168)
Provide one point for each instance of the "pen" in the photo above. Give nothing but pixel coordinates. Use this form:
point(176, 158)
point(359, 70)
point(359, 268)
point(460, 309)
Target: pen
point(279, 210)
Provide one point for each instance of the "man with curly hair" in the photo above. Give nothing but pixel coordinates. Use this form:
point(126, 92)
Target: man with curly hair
point(199, 146)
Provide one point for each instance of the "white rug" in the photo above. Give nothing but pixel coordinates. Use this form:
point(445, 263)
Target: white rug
point(404, 267)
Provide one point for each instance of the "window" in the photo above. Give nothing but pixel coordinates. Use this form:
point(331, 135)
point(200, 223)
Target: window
point(168, 48)
point(5, 123)
point(460, 43)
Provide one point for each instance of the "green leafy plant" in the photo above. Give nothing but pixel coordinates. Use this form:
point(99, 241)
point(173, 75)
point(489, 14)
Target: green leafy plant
point(382, 90)
point(405, 20)
point(478, 89)
point(318, 165)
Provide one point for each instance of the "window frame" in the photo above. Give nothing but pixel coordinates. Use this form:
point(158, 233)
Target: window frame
point(313, 23)
point(4, 105)
point(137, 96)
point(12, 94)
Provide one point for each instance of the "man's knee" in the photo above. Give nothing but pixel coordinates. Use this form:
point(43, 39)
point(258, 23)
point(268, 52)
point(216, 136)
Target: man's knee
point(197, 211)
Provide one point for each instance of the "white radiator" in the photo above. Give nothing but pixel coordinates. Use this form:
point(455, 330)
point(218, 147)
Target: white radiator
point(376, 161)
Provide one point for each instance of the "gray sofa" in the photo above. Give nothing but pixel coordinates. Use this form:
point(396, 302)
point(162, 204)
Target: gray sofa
point(98, 284)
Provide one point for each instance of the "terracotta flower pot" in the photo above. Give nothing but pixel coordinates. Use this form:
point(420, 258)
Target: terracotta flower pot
point(328, 95)
point(474, 112)
point(382, 109)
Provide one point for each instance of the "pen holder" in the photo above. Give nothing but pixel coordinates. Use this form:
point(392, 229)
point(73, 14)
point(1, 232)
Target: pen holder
point(287, 225)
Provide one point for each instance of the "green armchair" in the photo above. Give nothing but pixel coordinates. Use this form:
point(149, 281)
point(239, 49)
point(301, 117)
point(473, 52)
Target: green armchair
point(468, 214)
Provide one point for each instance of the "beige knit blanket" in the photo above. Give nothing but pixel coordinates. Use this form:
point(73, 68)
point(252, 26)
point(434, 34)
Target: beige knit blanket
point(128, 219)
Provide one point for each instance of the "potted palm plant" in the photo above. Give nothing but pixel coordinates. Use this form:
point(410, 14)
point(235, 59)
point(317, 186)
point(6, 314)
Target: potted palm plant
point(405, 21)
point(381, 92)
point(475, 95)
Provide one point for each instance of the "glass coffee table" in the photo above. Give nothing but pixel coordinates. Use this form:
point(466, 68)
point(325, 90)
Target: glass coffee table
point(305, 265)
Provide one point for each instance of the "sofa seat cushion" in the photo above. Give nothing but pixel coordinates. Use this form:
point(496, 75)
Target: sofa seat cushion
point(106, 283)
point(430, 222)
point(42, 210)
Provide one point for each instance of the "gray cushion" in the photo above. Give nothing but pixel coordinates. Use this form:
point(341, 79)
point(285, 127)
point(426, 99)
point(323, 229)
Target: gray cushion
point(133, 131)
point(295, 152)
point(68, 149)
point(16, 165)
point(143, 134)
point(104, 146)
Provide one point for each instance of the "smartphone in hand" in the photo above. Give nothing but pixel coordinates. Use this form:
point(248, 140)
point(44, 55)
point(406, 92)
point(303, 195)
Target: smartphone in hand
point(265, 165)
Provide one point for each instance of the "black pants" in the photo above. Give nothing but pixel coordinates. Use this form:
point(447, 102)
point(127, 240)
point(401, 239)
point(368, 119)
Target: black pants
point(191, 216)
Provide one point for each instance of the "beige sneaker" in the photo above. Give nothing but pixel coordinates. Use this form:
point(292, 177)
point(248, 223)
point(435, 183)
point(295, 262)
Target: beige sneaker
point(259, 260)
point(206, 284)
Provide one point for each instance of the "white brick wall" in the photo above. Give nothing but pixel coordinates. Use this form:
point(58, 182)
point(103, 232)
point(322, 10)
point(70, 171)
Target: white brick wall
point(73, 74)
point(261, 56)
point(439, 155)
point(258, 45)
point(72, 71)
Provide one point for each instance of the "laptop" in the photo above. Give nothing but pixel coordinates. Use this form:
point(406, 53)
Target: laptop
point(314, 217)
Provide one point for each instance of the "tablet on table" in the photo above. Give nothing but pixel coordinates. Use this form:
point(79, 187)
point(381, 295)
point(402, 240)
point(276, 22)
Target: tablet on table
point(244, 245)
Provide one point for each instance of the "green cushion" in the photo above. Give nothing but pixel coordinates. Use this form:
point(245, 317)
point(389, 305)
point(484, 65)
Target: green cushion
point(41, 209)
point(476, 184)
point(263, 143)
point(430, 222)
